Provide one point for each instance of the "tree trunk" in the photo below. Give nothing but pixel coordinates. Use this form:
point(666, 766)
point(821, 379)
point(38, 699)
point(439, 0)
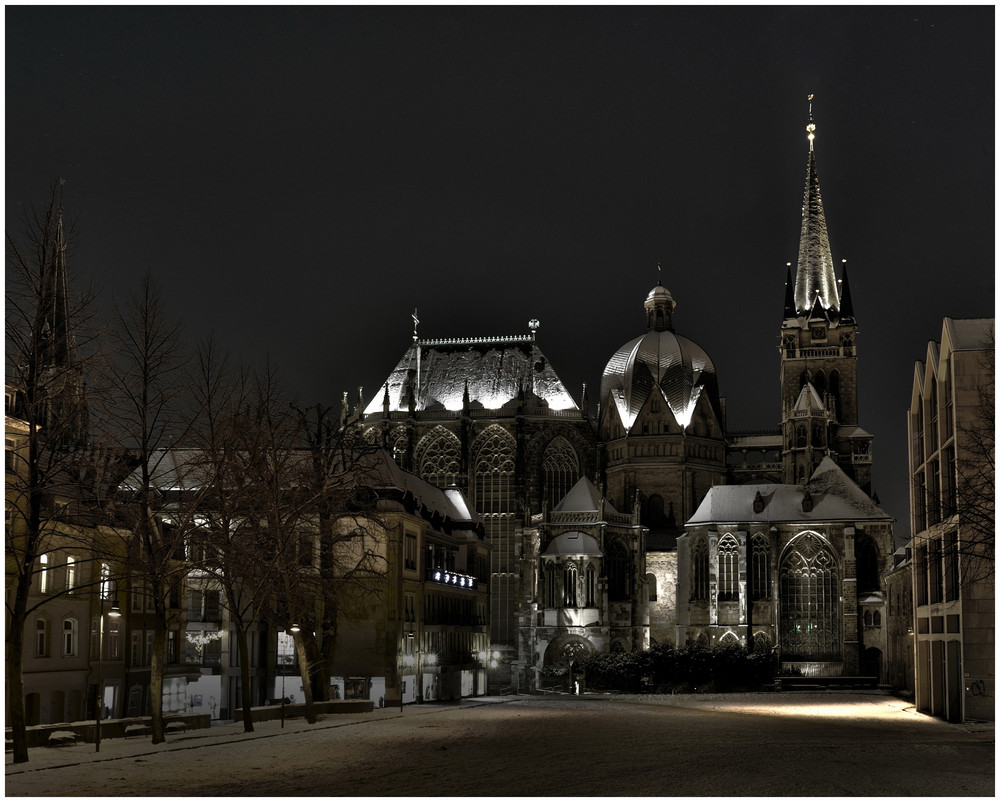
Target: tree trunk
point(306, 674)
point(15, 678)
point(156, 671)
point(245, 691)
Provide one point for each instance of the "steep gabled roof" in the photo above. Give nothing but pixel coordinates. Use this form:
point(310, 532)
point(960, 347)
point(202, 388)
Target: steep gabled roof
point(834, 498)
point(582, 497)
point(494, 369)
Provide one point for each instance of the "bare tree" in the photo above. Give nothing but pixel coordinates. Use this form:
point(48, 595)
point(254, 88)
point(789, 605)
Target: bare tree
point(975, 467)
point(350, 565)
point(148, 415)
point(47, 332)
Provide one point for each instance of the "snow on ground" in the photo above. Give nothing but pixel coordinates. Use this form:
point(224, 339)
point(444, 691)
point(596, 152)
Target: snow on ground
point(799, 743)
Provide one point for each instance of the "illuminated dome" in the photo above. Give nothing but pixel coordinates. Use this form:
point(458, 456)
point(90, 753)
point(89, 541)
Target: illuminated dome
point(660, 359)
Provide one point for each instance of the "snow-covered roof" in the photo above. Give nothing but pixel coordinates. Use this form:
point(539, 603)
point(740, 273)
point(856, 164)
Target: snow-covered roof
point(852, 432)
point(809, 400)
point(834, 498)
point(495, 370)
point(573, 543)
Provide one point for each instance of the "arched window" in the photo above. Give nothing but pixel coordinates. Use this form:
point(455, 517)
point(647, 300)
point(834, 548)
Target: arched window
point(71, 578)
point(71, 637)
point(877, 619)
point(397, 441)
point(800, 436)
point(868, 618)
point(729, 557)
point(810, 609)
point(493, 466)
point(439, 457)
point(617, 569)
point(41, 637)
point(591, 576)
point(760, 568)
point(550, 585)
point(817, 435)
point(569, 586)
point(819, 382)
point(43, 576)
point(560, 470)
point(699, 571)
point(651, 584)
point(654, 509)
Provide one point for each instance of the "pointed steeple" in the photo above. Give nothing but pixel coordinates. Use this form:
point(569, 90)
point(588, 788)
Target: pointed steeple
point(814, 274)
point(57, 343)
point(789, 293)
point(846, 305)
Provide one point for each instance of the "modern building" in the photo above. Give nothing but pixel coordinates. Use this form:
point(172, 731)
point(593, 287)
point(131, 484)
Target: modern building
point(951, 425)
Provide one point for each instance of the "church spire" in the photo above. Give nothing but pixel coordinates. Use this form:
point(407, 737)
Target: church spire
point(846, 305)
point(814, 274)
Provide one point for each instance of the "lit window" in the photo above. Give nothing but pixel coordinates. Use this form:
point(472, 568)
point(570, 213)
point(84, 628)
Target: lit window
point(70, 573)
point(43, 577)
point(729, 555)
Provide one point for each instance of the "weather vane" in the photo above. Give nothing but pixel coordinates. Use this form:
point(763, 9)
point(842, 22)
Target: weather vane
point(416, 320)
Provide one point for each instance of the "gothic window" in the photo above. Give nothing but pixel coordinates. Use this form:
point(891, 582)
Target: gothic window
point(817, 435)
point(569, 586)
point(729, 555)
point(760, 568)
point(493, 466)
point(439, 457)
point(591, 576)
point(699, 571)
point(819, 382)
point(655, 515)
point(397, 444)
point(809, 582)
point(550, 585)
point(877, 618)
point(868, 618)
point(560, 469)
point(800, 436)
point(617, 569)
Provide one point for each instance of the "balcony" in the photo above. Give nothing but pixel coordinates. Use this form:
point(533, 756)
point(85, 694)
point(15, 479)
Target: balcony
point(453, 579)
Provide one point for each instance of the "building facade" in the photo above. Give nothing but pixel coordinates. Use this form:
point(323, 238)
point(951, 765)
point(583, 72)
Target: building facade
point(490, 416)
point(952, 502)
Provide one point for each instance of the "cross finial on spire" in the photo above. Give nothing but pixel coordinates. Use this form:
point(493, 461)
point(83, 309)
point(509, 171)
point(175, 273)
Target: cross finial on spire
point(416, 320)
point(659, 274)
point(811, 128)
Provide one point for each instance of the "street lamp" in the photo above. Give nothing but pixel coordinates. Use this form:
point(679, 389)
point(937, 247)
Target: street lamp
point(99, 701)
point(293, 629)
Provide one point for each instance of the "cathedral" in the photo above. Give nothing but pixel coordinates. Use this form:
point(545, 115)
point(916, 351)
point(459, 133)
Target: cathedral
point(651, 523)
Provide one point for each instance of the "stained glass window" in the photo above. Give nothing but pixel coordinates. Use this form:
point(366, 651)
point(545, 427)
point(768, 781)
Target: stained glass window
point(560, 470)
point(439, 457)
point(729, 556)
point(810, 609)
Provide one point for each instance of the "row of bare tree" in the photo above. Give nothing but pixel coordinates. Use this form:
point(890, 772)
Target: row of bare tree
point(177, 467)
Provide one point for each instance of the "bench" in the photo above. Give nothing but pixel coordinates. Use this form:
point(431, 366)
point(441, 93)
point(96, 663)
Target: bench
point(135, 728)
point(176, 726)
point(62, 738)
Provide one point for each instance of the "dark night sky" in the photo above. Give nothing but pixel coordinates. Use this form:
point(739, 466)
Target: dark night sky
point(298, 180)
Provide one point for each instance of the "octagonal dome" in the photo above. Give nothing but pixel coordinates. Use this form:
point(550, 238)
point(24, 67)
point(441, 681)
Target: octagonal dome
point(660, 359)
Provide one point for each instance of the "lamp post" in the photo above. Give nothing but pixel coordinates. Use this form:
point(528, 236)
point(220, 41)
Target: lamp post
point(99, 701)
point(293, 629)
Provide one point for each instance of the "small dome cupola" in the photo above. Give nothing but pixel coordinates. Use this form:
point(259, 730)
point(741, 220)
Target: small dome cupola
point(659, 307)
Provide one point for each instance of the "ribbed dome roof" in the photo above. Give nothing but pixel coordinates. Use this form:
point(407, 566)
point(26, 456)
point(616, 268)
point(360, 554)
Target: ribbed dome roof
point(659, 358)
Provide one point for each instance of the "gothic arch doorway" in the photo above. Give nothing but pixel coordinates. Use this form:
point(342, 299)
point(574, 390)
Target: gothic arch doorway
point(566, 649)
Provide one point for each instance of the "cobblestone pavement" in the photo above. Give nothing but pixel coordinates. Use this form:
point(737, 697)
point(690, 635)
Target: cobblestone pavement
point(779, 744)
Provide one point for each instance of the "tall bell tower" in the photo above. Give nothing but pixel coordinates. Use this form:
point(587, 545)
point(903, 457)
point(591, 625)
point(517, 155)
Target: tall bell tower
point(819, 355)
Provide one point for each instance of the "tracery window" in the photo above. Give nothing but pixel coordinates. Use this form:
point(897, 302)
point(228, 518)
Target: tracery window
point(699, 571)
point(800, 436)
point(616, 563)
point(493, 467)
point(810, 610)
point(397, 445)
point(560, 469)
point(439, 457)
point(550, 585)
point(591, 578)
point(569, 586)
point(729, 556)
point(760, 568)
